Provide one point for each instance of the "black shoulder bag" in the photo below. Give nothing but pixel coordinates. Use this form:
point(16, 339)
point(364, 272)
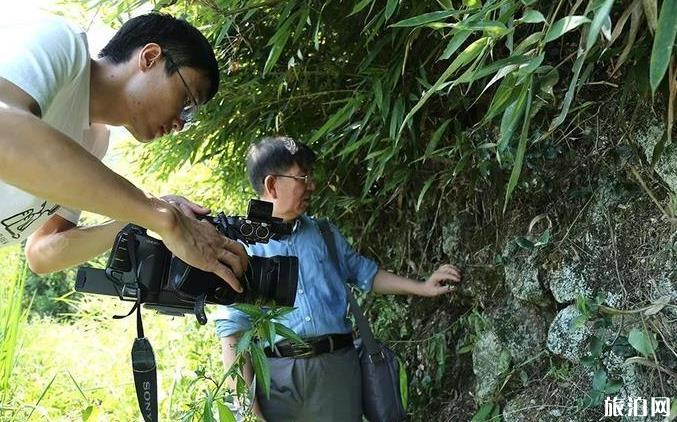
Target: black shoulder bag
point(382, 395)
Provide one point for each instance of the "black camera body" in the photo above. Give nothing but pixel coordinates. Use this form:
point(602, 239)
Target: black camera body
point(140, 268)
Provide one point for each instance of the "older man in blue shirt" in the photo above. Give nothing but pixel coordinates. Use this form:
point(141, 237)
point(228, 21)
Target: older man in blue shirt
point(325, 386)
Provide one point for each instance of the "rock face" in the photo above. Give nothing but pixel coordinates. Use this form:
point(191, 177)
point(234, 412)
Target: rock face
point(648, 137)
point(567, 282)
point(522, 328)
point(565, 338)
point(491, 360)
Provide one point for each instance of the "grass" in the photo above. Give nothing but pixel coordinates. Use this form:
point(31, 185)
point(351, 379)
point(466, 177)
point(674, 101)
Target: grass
point(82, 371)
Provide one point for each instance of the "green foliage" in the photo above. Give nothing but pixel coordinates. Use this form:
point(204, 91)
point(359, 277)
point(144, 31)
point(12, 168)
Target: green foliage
point(373, 102)
point(12, 316)
point(644, 342)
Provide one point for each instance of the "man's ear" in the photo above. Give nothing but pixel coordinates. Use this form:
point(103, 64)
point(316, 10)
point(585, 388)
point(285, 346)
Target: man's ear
point(149, 56)
point(269, 187)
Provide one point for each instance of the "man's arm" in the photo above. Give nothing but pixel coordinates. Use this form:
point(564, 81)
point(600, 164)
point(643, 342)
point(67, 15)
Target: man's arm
point(60, 244)
point(437, 284)
point(41, 160)
point(229, 346)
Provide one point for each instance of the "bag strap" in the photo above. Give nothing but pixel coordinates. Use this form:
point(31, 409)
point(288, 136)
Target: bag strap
point(367, 335)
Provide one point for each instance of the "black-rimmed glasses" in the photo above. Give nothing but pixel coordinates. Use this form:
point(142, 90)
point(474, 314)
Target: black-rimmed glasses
point(190, 105)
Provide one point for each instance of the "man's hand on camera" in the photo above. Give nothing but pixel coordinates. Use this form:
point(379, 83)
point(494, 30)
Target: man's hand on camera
point(200, 244)
point(441, 281)
point(188, 207)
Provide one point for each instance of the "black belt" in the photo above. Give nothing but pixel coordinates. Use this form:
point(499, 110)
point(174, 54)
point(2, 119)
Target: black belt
point(312, 347)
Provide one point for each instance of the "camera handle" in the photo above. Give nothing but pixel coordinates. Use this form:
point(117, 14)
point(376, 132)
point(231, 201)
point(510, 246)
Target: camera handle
point(143, 358)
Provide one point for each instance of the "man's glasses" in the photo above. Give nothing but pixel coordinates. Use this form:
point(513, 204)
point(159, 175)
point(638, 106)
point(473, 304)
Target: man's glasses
point(306, 179)
point(190, 105)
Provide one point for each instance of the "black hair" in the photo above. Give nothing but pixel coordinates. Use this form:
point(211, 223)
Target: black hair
point(275, 155)
point(184, 43)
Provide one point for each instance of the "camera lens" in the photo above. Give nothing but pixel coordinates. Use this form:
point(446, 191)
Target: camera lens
point(272, 279)
point(246, 229)
point(262, 232)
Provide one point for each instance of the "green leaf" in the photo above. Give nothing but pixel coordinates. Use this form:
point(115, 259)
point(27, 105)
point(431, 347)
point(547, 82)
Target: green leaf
point(244, 341)
point(663, 44)
point(251, 310)
point(643, 342)
point(511, 117)
point(91, 414)
point(472, 51)
point(543, 239)
point(261, 368)
point(359, 6)
point(396, 117)
point(435, 139)
point(270, 332)
point(225, 414)
point(524, 243)
point(599, 380)
point(455, 42)
point(564, 25)
point(601, 16)
point(207, 415)
point(425, 188)
point(613, 386)
point(426, 18)
point(287, 333)
point(390, 8)
point(404, 384)
point(484, 412)
point(596, 346)
point(278, 42)
point(336, 120)
point(532, 16)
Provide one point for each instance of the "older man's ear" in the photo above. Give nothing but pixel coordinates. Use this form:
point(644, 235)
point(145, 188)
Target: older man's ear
point(269, 187)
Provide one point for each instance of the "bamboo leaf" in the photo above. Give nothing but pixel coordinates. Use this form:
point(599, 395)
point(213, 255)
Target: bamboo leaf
point(521, 149)
point(278, 42)
point(511, 117)
point(563, 26)
point(601, 16)
point(651, 12)
point(336, 120)
point(455, 42)
point(426, 18)
point(390, 8)
point(425, 188)
point(664, 41)
point(359, 6)
point(532, 16)
point(434, 140)
point(472, 51)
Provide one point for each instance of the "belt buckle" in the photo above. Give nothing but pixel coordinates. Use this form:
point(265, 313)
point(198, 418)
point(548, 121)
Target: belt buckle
point(303, 350)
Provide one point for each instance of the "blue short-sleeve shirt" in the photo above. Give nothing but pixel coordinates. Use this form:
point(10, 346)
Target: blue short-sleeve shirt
point(321, 301)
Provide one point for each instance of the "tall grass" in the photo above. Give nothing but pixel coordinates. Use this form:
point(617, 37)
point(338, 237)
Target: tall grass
point(12, 316)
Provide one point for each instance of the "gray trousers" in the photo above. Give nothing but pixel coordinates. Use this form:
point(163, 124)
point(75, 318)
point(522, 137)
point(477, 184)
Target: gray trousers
point(326, 387)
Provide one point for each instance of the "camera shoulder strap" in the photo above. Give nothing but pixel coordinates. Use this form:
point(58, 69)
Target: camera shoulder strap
point(145, 376)
point(362, 324)
point(143, 358)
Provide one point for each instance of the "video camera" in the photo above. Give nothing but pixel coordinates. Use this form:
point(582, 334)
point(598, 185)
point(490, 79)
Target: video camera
point(141, 269)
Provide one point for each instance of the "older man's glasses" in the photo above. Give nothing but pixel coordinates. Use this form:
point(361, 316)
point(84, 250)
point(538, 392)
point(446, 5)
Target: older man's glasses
point(190, 105)
point(306, 178)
